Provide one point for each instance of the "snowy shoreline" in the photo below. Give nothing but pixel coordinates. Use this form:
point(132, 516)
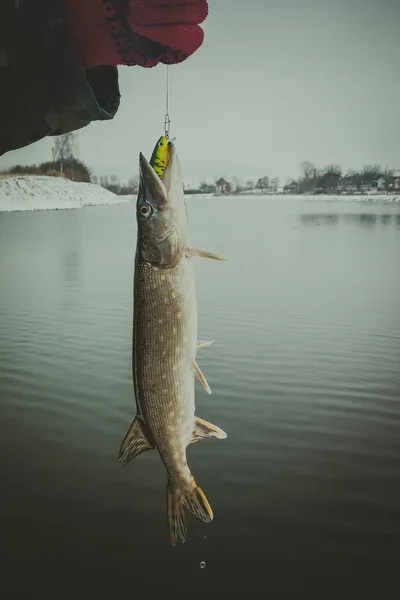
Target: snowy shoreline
point(371, 198)
point(40, 192)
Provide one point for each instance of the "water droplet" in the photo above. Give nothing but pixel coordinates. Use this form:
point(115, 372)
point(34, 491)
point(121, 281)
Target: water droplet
point(202, 564)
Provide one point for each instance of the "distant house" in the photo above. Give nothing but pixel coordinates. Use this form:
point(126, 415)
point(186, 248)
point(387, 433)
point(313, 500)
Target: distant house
point(380, 183)
point(223, 186)
point(395, 180)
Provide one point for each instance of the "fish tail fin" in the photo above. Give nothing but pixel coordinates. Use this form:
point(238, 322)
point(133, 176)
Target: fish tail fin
point(190, 496)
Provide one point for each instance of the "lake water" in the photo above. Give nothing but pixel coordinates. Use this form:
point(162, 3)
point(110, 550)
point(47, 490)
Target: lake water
point(305, 373)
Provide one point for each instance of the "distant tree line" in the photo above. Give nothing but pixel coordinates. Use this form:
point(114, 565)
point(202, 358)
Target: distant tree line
point(328, 180)
point(236, 186)
point(312, 180)
point(331, 179)
point(315, 180)
point(75, 169)
point(268, 184)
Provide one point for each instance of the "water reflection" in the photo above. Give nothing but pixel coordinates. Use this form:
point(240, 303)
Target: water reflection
point(69, 236)
point(72, 267)
point(317, 219)
point(364, 219)
point(368, 220)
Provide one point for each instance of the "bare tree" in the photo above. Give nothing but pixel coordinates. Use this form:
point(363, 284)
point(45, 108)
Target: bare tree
point(263, 183)
point(275, 181)
point(65, 148)
point(337, 169)
point(308, 169)
point(371, 173)
point(114, 180)
point(206, 187)
point(330, 178)
point(250, 185)
point(309, 178)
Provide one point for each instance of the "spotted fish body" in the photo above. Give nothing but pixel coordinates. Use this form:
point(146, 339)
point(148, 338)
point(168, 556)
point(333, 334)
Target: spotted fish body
point(159, 157)
point(165, 342)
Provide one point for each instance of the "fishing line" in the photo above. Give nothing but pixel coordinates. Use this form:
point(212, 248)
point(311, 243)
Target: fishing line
point(167, 120)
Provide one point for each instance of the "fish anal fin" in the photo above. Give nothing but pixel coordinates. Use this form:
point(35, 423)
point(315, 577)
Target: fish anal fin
point(135, 442)
point(204, 429)
point(201, 345)
point(203, 254)
point(201, 377)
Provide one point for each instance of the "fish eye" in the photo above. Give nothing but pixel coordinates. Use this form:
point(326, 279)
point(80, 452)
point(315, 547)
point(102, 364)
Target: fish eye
point(161, 144)
point(145, 210)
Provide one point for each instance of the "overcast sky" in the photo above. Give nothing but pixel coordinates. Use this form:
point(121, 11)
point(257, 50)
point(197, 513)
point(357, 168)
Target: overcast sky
point(276, 82)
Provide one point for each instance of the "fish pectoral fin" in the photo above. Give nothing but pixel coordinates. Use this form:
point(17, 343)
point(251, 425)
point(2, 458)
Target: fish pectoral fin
point(192, 497)
point(203, 254)
point(202, 345)
point(135, 442)
point(200, 376)
point(204, 429)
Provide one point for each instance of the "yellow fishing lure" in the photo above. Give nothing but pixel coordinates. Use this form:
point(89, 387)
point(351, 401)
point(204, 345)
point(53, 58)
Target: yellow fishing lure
point(159, 158)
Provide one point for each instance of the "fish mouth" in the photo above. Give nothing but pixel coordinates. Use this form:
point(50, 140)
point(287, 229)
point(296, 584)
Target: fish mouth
point(151, 183)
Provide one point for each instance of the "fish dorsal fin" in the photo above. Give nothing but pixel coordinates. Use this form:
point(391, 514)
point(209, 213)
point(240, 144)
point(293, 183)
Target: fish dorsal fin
point(201, 345)
point(135, 442)
point(203, 429)
point(200, 376)
point(202, 253)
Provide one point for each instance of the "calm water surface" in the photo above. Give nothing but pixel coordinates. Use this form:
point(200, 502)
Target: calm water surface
point(305, 373)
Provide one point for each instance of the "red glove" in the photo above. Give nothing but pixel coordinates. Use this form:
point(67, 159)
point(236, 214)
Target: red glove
point(135, 32)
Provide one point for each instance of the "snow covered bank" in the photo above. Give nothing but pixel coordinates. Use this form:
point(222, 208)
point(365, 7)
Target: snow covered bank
point(39, 192)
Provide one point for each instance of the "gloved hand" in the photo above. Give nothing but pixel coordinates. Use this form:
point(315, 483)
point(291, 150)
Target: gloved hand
point(174, 24)
point(136, 32)
point(59, 58)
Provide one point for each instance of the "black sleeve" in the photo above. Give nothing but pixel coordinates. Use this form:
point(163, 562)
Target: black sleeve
point(43, 90)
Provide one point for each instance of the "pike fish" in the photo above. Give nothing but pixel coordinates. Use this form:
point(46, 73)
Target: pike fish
point(165, 342)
